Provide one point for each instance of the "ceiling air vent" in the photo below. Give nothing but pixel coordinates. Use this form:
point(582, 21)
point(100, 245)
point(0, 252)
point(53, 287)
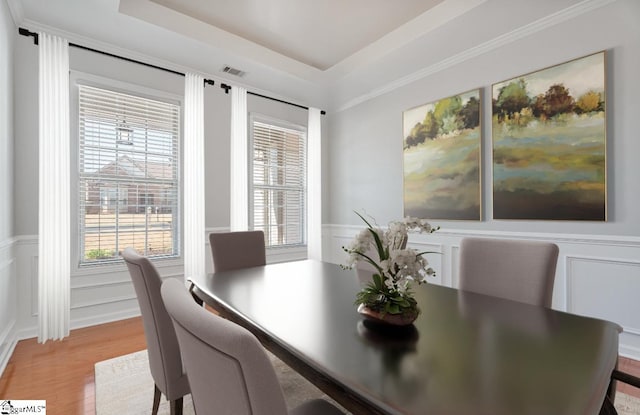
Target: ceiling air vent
point(232, 71)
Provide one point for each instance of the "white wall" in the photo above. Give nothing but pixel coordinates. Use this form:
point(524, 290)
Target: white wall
point(104, 293)
point(7, 264)
point(599, 264)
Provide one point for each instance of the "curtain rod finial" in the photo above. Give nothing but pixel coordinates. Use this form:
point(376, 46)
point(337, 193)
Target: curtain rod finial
point(26, 32)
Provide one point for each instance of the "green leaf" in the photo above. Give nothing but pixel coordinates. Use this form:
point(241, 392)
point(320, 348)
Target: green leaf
point(369, 260)
point(377, 281)
point(427, 252)
point(379, 247)
point(392, 308)
point(363, 219)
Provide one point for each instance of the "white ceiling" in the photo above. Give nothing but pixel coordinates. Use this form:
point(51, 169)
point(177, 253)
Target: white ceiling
point(318, 33)
point(316, 40)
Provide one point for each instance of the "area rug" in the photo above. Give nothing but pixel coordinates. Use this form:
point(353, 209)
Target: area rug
point(626, 404)
point(124, 386)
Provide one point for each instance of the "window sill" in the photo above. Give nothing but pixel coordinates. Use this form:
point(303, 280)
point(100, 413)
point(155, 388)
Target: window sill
point(119, 266)
point(286, 254)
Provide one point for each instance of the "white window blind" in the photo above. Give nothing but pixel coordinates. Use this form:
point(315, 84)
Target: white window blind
point(278, 182)
point(128, 175)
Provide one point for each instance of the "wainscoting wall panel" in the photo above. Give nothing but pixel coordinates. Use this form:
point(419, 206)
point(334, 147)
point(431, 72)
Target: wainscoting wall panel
point(99, 294)
point(596, 276)
point(434, 257)
point(617, 284)
point(8, 302)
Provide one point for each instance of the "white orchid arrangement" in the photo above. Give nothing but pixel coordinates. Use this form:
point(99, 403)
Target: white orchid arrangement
point(397, 266)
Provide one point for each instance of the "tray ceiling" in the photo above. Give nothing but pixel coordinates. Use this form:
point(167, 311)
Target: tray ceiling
point(318, 33)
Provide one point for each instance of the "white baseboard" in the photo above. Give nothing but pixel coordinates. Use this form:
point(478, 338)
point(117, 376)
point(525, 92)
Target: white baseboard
point(31, 332)
point(105, 318)
point(629, 352)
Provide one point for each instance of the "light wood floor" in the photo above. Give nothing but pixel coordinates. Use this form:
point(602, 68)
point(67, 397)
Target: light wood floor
point(62, 372)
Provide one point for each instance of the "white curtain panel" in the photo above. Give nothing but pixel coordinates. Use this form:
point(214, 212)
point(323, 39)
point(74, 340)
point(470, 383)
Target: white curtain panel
point(53, 210)
point(239, 220)
point(314, 186)
point(193, 190)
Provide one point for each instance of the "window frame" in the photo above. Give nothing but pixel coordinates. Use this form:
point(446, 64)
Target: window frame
point(80, 78)
point(284, 124)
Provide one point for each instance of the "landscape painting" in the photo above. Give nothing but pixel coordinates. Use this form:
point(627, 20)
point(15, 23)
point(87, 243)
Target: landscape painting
point(442, 159)
point(549, 143)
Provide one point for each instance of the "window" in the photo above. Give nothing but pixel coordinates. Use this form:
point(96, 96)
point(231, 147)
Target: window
point(278, 181)
point(128, 175)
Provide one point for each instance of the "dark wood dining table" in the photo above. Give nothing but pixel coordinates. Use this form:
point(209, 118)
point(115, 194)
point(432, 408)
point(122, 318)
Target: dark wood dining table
point(465, 354)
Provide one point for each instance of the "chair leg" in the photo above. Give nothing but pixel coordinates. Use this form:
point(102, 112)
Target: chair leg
point(176, 407)
point(627, 378)
point(156, 400)
point(607, 407)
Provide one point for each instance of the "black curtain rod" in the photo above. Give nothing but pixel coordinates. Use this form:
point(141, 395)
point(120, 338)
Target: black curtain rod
point(227, 87)
point(25, 32)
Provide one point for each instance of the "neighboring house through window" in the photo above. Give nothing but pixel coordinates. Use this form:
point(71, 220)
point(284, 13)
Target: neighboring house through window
point(128, 175)
point(277, 181)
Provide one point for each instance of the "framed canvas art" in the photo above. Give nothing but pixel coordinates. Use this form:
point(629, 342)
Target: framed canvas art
point(441, 158)
point(549, 143)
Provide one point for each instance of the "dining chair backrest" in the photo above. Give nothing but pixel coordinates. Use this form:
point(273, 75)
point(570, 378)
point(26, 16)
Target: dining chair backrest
point(234, 250)
point(229, 370)
point(522, 271)
point(162, 344)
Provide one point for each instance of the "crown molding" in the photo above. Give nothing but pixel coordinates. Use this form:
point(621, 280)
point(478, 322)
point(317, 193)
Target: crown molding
point(17, 11)
point(421, 25)
point(553, 19)
point(108, 47)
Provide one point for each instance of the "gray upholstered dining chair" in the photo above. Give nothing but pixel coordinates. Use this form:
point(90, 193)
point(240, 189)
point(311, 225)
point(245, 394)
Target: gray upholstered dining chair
point(234, 250)
point(522, 271)
point(229, 370)
point(162, 344)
